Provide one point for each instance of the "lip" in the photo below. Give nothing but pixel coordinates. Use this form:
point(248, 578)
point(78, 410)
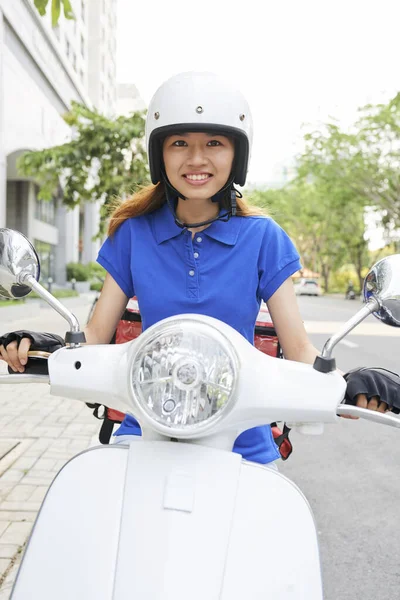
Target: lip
point(198, 182)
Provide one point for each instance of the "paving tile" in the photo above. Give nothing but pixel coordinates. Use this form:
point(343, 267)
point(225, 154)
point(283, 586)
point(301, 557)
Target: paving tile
point(13, 475)
point(4, 564)
point(3, 525)
point(21, 493)
point(16, 515)
point(9, 581)
point(20, 506)
point(16, 533)
point(8, 550)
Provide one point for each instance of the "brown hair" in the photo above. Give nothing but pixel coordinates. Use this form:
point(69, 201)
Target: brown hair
point(151, 197)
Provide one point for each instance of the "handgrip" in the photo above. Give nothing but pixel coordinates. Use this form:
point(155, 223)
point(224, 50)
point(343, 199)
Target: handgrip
point(36, 365)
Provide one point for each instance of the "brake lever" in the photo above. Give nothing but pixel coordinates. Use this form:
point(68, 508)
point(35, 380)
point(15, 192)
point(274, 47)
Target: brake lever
point(369, 415)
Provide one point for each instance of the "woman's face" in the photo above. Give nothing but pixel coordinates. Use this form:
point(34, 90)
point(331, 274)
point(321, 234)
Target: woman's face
point(198, 164)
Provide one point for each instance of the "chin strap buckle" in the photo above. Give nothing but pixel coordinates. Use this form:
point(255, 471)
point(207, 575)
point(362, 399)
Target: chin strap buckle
point(233, 202)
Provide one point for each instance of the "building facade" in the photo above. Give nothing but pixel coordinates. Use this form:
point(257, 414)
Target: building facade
point(42, 69)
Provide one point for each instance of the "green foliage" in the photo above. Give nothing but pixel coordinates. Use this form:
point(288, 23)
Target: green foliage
point(58, 293)
point(77, 271)
point(96, 286)
point(340, 176)
point(41, 6)
point(326, 225)
point(364, 163)
point(103, 161)
point(5, 302)
point(96, 271)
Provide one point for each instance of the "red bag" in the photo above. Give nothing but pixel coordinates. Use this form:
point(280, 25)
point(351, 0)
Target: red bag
point(130, 327)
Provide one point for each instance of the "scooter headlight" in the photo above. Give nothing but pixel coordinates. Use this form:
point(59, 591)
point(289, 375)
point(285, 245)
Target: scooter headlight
point(184, 375)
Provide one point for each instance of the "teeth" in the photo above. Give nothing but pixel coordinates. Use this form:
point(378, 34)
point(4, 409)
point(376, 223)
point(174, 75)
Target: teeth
point(197, 177)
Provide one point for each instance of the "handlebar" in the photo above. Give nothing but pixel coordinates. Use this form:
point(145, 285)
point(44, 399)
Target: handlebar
point(342, 410)
point(369, 415)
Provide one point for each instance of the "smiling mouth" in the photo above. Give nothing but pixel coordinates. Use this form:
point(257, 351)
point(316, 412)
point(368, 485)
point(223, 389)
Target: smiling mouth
point(197, 176)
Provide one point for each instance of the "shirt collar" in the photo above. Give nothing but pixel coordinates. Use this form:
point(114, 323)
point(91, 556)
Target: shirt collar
point(165, 227)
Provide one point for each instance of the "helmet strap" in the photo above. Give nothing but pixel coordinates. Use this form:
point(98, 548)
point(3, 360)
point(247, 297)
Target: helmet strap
point(172, 195)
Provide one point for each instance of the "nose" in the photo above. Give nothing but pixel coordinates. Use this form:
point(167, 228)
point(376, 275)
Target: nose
point(196, 156)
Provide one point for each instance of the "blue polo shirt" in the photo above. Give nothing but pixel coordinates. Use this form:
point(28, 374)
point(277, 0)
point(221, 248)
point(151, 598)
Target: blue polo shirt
point(223, 272)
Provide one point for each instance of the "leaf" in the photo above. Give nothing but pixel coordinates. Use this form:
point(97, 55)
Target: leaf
point(41, 6)
point(68, 11)
point(98, 164)
point(55, 11)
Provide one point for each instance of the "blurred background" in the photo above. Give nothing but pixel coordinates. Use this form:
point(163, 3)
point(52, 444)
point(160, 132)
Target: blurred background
point(321, 78)
point(323, 82)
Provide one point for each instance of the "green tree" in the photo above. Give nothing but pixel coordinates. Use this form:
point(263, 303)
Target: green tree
point(365, 161)
point(41, 5)
point(104, 160)
point(327, 228)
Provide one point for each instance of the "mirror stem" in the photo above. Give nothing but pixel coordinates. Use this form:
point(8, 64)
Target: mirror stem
point(27, 279)
point(372, 306)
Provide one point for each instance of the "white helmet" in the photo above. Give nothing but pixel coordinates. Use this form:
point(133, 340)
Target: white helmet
point(195, 101)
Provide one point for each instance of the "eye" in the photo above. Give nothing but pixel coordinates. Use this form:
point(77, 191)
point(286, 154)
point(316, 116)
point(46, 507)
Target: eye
point(214, 143)
point(179, 143)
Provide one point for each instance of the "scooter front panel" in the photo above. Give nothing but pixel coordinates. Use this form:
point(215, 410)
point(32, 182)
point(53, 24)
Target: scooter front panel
point(273, 549)
point(72, 551)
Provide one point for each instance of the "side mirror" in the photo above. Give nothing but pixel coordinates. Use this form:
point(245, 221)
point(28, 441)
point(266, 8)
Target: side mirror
point(383, 284)
point(19, 274)
point(17, 256)
point(381, 293)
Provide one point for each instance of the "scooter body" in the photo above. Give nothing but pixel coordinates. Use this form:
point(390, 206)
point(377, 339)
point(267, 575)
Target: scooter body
point(157, 521)
point(178, 520)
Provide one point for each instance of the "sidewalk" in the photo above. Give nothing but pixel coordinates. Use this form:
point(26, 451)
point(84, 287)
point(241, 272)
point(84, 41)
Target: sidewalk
point(39, 433)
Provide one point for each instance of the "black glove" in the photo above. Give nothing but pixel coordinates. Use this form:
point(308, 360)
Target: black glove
point(48, 342)
point(374, 382)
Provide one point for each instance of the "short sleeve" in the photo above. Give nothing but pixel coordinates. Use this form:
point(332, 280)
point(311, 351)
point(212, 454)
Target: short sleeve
point(278, 260)
point(115, 257)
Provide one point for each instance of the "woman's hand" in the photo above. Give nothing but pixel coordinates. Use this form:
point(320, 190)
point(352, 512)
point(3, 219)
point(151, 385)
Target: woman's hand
point(14, 346)
point(16, 355)
point(373, 388)
point(374, 403)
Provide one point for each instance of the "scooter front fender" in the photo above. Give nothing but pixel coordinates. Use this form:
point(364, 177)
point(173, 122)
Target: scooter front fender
point(170, 521)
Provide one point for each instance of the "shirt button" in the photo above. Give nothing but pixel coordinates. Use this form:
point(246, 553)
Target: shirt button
point(191, 273)
point(199, 239)
point(196, 255)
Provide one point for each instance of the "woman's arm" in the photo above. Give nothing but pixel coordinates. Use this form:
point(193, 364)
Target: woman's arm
point(109, 308)
point(289, 325)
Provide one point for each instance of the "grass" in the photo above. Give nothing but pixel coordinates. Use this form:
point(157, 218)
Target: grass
point(58, 293)
point(63, 293)
point(9, 302)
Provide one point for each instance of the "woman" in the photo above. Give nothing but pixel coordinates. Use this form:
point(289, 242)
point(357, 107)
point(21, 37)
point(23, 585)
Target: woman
point(189, 243)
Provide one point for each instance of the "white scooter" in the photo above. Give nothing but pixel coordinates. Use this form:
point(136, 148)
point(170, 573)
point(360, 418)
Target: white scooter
point(161, 520)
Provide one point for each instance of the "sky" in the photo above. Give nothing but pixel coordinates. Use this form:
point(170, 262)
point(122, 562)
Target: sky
point(297, 62)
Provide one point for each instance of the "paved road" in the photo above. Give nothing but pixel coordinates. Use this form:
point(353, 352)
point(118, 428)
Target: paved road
point(350, 475)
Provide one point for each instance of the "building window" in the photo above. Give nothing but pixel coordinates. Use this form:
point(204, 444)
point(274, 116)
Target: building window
point(46, 253)
point(83, 10)
point(45, 211)
point(67, 48)
point(82, 75)
point(82, 46)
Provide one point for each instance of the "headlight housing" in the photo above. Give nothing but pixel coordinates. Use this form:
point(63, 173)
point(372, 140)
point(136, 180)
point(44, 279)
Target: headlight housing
point(183, 376)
